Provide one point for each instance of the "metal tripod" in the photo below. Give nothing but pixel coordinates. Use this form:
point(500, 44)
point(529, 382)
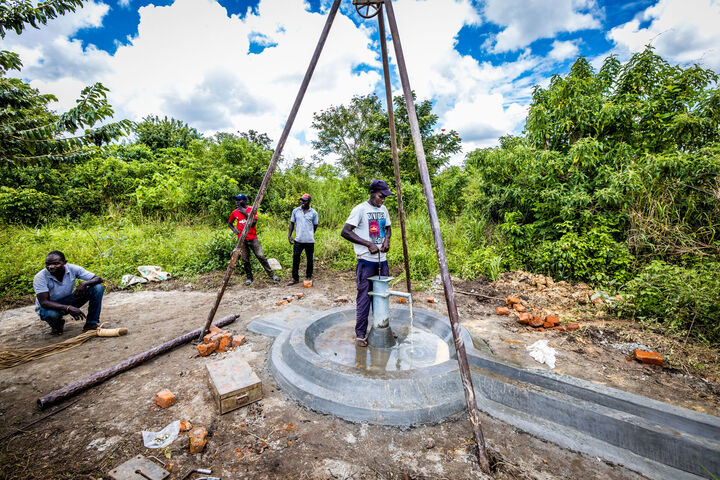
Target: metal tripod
point(369, 9)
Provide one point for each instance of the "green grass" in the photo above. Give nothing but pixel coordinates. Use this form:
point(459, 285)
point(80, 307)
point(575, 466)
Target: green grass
point(186, 249)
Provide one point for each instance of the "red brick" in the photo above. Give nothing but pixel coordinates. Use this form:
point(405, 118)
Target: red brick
point(502, 311)
point(559, 329)
point(430, 300)
point(524, 318)
point(512, 300)
point(165, 399)
point(282, 302)
point(541, 329)
point(214, 329)
point(536, 321)
point(519, 307)
point(401, 300)
point(548, 324)
point(224, 343)
point(571, 327)
point(307, 283)
point(238, 340)
point(651, 358)
point(554, 319)
point(185, 425)
point(205, 349)
point(198, 439)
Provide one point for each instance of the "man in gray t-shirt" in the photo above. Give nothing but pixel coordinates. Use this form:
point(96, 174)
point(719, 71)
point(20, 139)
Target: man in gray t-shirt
point(304, 220)
point(57, 296)
point(368, 228)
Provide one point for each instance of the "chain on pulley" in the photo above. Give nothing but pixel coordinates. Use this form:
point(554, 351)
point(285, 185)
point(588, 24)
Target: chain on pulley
point(367, 8)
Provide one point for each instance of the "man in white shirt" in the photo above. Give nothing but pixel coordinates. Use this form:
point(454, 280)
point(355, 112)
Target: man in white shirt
point(305, 218)
point(368, 228)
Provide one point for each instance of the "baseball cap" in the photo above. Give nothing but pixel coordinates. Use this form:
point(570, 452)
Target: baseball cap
point(241, 197)
point(305, 196)
point(380, 186)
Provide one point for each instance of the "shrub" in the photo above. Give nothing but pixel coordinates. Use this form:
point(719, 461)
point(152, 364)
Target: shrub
point(682, 299)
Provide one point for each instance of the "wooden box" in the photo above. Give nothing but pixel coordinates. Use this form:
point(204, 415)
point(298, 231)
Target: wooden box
point(233, 384)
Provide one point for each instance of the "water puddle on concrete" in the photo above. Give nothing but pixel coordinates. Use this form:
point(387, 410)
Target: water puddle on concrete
point(416, 348)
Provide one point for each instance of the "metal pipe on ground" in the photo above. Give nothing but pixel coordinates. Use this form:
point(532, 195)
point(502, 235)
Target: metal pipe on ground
point(67, 391)
point(273, 164)
point(439, 244)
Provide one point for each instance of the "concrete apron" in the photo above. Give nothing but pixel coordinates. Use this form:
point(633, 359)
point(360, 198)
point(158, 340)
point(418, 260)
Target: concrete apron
point(653, 438)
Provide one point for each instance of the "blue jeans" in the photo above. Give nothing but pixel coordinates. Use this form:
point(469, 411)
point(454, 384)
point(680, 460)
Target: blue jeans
point(365, 269)
point(93, 294)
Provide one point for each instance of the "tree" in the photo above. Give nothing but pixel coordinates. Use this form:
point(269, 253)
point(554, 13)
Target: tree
point(359, 134)
point(30, 131)
point(159, 133)
point(646, 104)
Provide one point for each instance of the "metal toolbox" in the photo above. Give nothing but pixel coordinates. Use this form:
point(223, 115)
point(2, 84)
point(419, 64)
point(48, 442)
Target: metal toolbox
point(233, 384)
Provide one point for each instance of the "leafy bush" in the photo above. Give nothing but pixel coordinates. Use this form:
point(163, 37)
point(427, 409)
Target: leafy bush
point(25, 205)
point(683, 299)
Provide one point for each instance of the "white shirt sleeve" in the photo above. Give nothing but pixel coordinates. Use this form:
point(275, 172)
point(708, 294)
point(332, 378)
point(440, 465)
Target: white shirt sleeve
point(355, 216)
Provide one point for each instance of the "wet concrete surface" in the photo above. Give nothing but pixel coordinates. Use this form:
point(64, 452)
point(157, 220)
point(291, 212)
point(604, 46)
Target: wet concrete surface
point(416, 347)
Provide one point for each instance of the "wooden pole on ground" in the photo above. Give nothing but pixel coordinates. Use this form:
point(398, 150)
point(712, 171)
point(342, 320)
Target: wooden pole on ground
point(273, 163)
point(439, 245)
point(393, 144)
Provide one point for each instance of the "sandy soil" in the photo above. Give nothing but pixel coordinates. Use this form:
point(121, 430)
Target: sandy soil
point(277, 437)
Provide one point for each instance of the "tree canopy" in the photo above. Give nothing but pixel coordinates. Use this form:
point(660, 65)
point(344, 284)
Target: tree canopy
point(31, 132)
point(359, 134)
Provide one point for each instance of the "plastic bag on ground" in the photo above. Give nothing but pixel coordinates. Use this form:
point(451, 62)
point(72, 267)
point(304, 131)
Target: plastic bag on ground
point(274, 264)
point(163, 438)
point(542, 352)
point(129, 279)
point(153, 273)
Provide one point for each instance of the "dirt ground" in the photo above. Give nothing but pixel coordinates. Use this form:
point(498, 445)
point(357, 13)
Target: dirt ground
point(279, 438)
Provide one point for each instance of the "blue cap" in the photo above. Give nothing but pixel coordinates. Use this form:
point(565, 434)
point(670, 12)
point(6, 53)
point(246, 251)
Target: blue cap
point(241, 197)
point(380, 186)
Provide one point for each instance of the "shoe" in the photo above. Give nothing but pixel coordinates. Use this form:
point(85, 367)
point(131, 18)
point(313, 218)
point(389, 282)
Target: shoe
point(361, 341)
point(90, 326)
point(293, 282)
point(248, 281)
point(56, 332)
point(275, 278)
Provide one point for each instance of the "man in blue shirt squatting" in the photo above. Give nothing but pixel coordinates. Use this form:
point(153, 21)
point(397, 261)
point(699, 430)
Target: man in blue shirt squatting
point(306, 220)
point(368, 228)
point(57, 296)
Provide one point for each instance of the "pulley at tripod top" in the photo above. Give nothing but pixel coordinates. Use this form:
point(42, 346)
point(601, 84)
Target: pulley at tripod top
point(367, 8)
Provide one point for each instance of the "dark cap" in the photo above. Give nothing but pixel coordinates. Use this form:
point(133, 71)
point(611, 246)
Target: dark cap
point(380, 186)
point(306, 196)
point(241, 197)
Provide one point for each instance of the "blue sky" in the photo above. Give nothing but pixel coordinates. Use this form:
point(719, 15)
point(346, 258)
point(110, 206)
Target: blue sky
point(234, 65)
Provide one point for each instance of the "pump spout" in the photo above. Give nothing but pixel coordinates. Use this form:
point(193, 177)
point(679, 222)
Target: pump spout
point(380, 335)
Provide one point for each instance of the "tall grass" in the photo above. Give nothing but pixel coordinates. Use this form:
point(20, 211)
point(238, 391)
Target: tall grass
point(115, 247)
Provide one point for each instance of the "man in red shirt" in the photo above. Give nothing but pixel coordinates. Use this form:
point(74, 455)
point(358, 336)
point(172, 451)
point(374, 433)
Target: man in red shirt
point(237, 221)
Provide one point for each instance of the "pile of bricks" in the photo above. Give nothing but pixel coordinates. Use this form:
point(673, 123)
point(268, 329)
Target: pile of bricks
point(219, 341)
point(541, 322)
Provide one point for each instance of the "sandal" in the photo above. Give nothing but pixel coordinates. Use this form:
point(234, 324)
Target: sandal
point(361, 341)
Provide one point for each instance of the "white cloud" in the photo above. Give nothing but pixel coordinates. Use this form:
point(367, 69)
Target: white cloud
point(563, 50)
point(191, 61)
point(682, 31)
point(525, 21)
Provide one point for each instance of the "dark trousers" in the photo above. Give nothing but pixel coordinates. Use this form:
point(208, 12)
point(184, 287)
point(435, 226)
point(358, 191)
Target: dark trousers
point(365, 269)
point(298, 248)
point(254, 246)
point(93, 294)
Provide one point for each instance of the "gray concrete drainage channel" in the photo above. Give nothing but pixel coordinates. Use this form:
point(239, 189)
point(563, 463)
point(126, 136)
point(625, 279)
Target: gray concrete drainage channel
point(314, 360)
